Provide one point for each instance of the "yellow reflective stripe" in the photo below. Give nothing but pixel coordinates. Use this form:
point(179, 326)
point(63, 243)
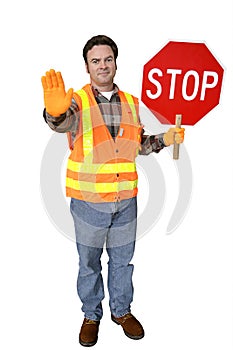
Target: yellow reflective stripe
point(130, 101)
point(100, 187)
point(107, 168)
point(87, 124)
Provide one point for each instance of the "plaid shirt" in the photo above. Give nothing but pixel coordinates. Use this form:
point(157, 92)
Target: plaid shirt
point(111, 112)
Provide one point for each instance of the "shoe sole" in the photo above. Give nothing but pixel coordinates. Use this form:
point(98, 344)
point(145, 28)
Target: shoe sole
point(134, 337)
point(87, 344)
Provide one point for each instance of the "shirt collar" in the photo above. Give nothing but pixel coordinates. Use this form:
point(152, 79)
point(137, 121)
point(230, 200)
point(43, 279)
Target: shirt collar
point(97, 93)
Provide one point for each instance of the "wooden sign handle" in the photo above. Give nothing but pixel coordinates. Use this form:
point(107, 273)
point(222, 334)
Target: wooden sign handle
point(177, 146)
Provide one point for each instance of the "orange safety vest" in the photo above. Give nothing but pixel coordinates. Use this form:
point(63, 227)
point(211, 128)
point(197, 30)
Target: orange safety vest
point(101, 169)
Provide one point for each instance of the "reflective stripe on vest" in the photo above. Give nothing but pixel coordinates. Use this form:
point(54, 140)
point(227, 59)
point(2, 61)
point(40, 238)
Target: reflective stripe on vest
point(87, 125)
point(106, 168)
point(107, 187)
point(130, 101)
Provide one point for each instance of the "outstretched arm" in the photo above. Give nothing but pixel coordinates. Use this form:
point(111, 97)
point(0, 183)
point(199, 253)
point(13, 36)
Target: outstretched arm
point(61, 113)
point(56, 100)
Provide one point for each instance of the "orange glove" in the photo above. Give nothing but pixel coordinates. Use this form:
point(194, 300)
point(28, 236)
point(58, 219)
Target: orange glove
point(173, 135)
point(56, 100)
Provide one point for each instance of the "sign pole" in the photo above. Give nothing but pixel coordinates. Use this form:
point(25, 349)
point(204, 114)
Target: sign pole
point(177, 146)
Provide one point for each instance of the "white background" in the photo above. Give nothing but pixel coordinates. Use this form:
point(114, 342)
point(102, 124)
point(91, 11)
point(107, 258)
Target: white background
point(183, 281)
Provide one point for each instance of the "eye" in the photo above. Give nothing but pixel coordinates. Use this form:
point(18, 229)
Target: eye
point(109, 59)
point(95, 61)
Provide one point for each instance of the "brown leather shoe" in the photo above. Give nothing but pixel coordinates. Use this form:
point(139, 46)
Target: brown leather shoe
point(131, 326)
point(88, 335)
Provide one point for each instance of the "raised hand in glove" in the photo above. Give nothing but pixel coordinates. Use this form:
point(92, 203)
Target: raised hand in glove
point(56, 100)
point(173, 135)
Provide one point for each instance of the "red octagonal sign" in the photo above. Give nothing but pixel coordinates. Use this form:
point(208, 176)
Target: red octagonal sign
point(182, 78)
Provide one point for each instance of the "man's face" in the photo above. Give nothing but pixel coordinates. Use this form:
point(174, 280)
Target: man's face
point(101, 67)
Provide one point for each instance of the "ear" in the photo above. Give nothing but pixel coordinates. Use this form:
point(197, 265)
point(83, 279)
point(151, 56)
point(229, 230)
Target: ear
point(87, 69)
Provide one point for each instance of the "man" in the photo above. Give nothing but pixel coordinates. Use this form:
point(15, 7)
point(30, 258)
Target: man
point(105, 136)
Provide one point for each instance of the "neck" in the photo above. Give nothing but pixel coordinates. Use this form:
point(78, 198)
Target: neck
point(103, 88)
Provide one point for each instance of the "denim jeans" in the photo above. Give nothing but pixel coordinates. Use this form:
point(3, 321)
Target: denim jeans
point(100, 225)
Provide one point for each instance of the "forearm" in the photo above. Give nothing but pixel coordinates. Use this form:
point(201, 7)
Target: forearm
point(68, 121)
point(151, 143)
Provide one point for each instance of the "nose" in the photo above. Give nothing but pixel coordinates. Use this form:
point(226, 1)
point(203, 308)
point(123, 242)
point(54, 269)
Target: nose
point(103, 64)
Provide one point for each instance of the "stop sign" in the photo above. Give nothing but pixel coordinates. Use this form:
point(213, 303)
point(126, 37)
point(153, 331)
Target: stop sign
point(182, 78)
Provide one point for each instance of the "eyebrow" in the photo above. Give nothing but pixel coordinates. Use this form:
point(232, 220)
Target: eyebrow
point(98, 59)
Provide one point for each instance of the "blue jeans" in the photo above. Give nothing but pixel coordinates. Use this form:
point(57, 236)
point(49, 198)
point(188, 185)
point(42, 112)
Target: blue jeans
point(110, 225)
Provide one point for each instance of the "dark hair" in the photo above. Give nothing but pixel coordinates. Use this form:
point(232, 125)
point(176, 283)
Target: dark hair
point(100, 40)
